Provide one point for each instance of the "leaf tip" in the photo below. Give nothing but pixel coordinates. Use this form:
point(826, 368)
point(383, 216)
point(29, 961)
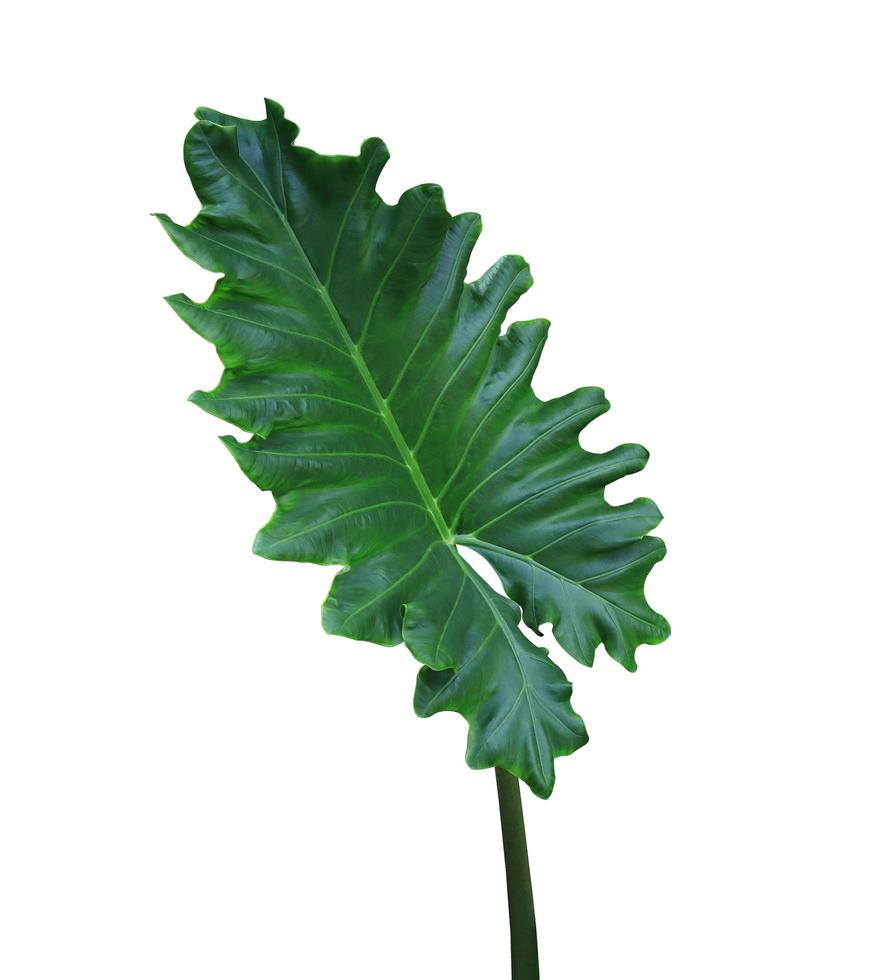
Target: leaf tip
point(526, 273)
point(234, 446)
point(655, 513)
point(273, 109)
point(640, 454)
point(283, 128)
point(263, 546)
point(374, 146)
point(176, 300)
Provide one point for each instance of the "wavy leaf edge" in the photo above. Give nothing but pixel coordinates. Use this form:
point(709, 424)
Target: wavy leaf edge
point(324, 286)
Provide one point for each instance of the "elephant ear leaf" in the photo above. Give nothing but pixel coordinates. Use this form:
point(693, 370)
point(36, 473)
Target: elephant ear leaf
point(393, 421)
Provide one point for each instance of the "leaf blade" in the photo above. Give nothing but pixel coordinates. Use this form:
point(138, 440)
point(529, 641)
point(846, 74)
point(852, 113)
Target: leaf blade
point(387, 411)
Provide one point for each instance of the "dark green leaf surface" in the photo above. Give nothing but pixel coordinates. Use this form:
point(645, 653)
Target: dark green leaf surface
point(393, 421)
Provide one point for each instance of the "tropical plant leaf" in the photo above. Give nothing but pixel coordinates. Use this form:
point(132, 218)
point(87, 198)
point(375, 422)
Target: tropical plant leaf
point(392, 422)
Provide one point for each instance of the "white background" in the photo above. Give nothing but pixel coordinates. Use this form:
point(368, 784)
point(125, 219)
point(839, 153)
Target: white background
point(196, 781)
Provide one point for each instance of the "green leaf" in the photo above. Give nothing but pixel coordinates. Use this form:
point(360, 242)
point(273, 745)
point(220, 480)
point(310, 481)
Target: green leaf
point(392, 422)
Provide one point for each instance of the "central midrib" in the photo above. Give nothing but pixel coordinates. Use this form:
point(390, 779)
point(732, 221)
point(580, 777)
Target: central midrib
point(357, 355)
point(406, 453)
point(390, 421)
point(409, 459)
point(377, 396)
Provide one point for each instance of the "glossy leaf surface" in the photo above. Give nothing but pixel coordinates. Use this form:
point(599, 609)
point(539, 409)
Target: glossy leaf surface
point(392, 420)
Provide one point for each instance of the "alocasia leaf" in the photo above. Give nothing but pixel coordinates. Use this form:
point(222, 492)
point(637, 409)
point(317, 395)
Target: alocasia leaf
point(392, 422)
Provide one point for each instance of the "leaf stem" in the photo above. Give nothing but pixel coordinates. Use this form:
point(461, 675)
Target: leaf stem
point(521, 913)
